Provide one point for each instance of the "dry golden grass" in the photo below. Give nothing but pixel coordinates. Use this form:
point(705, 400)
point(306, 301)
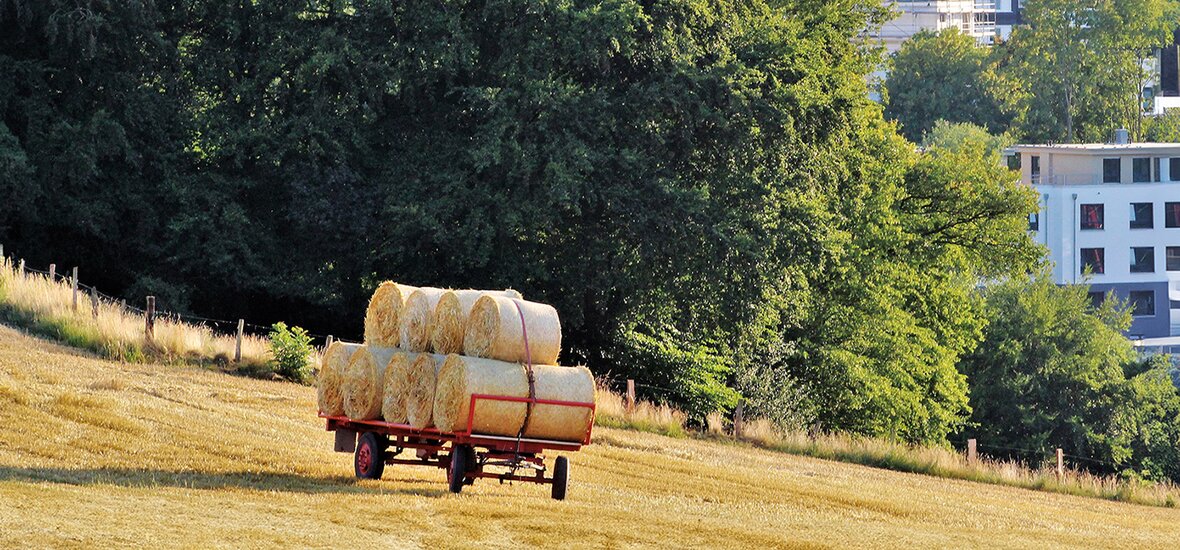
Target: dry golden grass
point(934, 461)
point(182, 456)
point(47, 307)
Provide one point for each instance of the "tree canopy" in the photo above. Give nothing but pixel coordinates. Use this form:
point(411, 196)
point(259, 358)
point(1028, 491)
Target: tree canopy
point(940, 76)
point(702, 189)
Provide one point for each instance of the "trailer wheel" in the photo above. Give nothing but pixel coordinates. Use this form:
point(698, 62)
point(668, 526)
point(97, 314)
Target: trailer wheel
point(561, 477)
point(369, 460)
point(461, 460)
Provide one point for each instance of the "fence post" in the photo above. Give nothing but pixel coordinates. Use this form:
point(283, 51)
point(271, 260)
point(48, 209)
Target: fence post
point(971, 451)
point(122, 306)
point(149, 318)
point(630, 396)
point(328, 342)
point(94, 302)
point(52, 272)
point(22, 267)
point(1, 251)
point(238, 347)
point(1061, 465)
point(737, 418)
point(74, 287)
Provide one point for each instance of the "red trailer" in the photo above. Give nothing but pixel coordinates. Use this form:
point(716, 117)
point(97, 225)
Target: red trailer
point(464, 455)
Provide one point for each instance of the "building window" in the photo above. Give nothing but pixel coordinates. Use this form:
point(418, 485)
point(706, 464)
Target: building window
point(1173, 258)
point(1141, 170)
point(1142, 303)
point(1034, 222)
point(1142, 259)
point(1172, 214)
point(1097, 299)
point(1112, 170)
point(1141, 214)
point(1173, 168)
point(1155, 169)
point(1034, 167)
point(1014, 161)
point(1092, 216)
point(1094, 260)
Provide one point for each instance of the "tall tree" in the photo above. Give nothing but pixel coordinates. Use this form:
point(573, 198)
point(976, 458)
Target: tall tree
point(940, 76)
point(1078, 65)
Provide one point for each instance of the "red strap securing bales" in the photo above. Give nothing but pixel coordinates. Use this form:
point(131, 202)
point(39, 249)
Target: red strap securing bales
point(528, 369)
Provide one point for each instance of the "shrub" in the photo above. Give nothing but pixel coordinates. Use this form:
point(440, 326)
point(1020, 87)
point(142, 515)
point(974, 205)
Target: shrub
point(291, 349)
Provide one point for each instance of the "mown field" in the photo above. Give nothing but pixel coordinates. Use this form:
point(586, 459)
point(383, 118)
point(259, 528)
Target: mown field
point(94, 453)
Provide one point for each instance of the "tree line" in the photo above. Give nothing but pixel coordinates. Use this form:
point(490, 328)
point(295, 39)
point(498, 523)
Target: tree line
point(702, 189)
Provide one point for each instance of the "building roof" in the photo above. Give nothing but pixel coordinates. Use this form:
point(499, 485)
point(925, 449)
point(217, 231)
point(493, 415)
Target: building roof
point(1095, 147)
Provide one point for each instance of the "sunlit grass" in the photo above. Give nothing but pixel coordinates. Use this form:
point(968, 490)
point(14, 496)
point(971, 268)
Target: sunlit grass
point(46, 308)
point(880, 453)
point(611, 411)
point(201, 459)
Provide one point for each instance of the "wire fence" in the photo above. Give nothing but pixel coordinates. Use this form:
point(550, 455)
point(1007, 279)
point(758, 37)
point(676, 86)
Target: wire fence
point(225, 326)
point(617, 384)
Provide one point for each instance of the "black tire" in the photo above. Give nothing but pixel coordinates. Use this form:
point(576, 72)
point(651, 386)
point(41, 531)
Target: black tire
point(460, 464)
point(369, 459)
point(561, 477)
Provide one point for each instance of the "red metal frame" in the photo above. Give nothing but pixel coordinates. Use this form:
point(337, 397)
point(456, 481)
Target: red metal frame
point(431, 442)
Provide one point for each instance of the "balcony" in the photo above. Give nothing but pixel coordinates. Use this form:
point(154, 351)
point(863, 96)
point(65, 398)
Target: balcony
point(1078, 179)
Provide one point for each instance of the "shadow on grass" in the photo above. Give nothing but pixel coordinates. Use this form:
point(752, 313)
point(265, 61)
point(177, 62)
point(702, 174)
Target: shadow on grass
point(149, 478)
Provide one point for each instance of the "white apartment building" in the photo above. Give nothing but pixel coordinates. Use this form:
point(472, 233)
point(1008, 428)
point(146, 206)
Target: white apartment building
point(1112, 210)
point(976, 18)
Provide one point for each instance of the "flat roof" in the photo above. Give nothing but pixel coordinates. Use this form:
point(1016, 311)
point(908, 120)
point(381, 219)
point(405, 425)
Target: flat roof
point(1095, 147)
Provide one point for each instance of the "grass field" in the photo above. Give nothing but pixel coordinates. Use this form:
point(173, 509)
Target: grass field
point(95, 453)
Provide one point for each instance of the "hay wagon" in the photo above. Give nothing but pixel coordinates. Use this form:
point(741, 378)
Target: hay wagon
point(464, 455)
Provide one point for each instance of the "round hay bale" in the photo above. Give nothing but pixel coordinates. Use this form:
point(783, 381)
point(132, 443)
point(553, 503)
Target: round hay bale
point(562, 384)
point(383, 316)
point(494, 331)
point(329, 386)
point(423, 376)
point(417, 318)
point(363, 382)
point(461, 377)
point(393, 392)
point(450, 317)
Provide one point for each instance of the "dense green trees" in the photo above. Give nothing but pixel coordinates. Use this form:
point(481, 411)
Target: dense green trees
point(1054, 372)
point(703, 190)
point(1074, 72)
point(940, 76)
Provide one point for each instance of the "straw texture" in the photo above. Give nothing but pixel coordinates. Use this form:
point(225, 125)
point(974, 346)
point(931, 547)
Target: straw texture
point(423, 376)
point(393, 388)
point(383, 316)
point(450, 317)
point(417, 318)
point(363, 382)
point(329, 387)
point(494, 331)
point(461, 376)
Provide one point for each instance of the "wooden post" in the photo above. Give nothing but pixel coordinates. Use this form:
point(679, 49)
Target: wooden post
point(149, 318)
point(238, 347)
point(122, 306)
point(630, 396)
point(52, 272)
point(22, 267)
point(94, 302)
point(1, 251)
point(737, 417)
point(1061, 465)
point(74, 287)
point(971, 451)
point(328, 342)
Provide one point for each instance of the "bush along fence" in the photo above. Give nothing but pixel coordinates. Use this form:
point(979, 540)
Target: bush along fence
point(52, 304)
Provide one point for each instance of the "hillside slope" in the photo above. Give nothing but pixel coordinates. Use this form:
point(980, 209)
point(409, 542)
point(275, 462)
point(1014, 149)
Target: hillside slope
point(100, 453)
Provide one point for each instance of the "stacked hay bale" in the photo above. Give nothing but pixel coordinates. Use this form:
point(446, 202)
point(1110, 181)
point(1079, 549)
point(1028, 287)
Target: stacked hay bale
point(395, 376)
